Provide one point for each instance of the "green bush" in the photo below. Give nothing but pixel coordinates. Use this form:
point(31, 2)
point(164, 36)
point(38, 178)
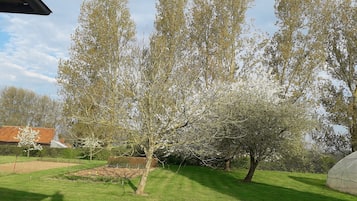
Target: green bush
point(130, 162)
point(240, 162)
point(104, 154)
point(11, 150)
point(310, 161)
point(70, 153)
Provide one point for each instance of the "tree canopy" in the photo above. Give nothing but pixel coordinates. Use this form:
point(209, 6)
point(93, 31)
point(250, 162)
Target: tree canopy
point(22, 107)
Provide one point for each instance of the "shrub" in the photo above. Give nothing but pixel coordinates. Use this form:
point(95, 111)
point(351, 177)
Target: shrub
point(130, 162)
point(240, 162)
point(70, 153)
point(310, 161)
point(11, 150)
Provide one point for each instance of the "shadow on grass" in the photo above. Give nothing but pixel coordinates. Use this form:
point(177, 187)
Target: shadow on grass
point(310, 181)
point(57, 197)
point(228, 184)
point(7, 194)
point(132, 186)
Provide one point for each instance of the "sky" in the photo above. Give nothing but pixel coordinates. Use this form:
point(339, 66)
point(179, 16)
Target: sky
point(32, 45)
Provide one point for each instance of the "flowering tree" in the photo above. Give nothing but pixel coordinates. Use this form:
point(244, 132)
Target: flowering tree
point(149, 92)
point(92, 144)
point(28, 139)
point(260, 120)
point(249, 116)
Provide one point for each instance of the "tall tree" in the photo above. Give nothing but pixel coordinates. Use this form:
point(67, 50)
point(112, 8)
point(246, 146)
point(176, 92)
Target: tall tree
point(215, 36)
point(185, 58)
point(217, 42)
point(340, 25)
point(295, 51)
point(21, 107)
point(157, 90)
point(91, 78)
point(165, 83)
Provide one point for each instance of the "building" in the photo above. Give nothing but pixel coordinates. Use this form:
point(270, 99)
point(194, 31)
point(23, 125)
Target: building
point(46, 136)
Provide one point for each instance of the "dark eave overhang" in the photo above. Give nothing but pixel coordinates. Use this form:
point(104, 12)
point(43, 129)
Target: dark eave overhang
point(24, 6)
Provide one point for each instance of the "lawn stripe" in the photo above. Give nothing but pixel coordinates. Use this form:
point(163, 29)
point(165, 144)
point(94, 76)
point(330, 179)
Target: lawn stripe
point(190, 183)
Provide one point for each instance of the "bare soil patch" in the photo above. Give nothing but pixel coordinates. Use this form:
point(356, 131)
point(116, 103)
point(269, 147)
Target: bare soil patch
point(32, 166)
point(110, 172)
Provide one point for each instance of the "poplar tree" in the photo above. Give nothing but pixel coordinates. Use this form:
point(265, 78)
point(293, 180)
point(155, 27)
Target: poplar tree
point(340, 101)
point(215, 36)
point(295, 52)
point(91, 77)
point(154, 93)
point(21, 107)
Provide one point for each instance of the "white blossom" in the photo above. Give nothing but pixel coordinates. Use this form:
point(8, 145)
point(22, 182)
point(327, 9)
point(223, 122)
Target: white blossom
point(28, 138)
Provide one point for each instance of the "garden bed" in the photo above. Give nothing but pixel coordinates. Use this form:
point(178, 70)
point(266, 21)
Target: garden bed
point(110, 172)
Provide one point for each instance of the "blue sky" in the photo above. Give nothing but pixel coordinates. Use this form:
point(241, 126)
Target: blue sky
point(31, 45)
point(3, 37)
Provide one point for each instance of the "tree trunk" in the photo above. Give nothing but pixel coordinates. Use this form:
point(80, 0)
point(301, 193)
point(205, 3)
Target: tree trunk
point(353, 132)
point(252, 166)
point(142, 184)
point(353, 128)
point(90, 154)
point(227, 164)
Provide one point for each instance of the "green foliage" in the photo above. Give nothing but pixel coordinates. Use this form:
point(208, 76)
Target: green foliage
point(216, 30)
point(68, 153)
point(339, 39)
point(177, 159)
point(130, 162)
point(56, 153)
point(308, 161)
point(295, 51)
point(105, 154)
point(6, 150)
point(89, 79)
point(21, 107)
point(240, 162)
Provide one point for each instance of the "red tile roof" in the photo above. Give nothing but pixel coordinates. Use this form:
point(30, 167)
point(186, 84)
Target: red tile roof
point(8, 134)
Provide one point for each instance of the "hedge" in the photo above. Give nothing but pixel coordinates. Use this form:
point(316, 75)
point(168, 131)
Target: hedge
point(11, 150)
point(69, 153)
point(130, 162)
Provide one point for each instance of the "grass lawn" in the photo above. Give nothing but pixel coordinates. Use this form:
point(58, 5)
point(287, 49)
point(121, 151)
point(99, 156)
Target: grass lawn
point(12, 159)
point(189, 183)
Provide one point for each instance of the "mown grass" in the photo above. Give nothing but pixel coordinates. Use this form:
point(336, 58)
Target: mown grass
point(189, 183)
point(12, 159)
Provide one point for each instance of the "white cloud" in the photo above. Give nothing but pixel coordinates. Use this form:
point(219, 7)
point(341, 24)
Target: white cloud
point(29, 58)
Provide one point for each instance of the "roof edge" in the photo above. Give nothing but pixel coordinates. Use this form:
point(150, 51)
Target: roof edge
point(36, 7)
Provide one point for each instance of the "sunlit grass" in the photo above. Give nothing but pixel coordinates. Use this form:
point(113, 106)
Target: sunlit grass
point(12, 159)
point(189, 183)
